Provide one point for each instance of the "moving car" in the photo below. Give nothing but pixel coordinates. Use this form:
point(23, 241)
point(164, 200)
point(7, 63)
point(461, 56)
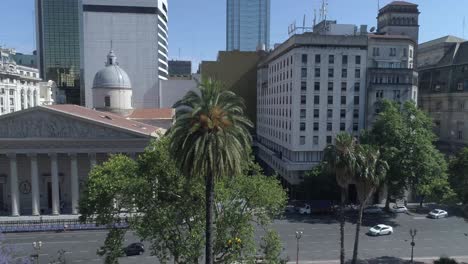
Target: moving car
point(381, 229)
point(399, 209)
point(304, 209)
point(134, 249)
point(437, 213)
point(372, 210)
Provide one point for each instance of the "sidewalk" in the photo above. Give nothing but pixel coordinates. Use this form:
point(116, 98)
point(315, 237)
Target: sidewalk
point(387, 260)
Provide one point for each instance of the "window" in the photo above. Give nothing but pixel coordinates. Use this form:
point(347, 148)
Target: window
point(357, 73)
point(379, 94)
point(405, 52)
point(315, 140)
point(316, 113)
point(356, 100)
point(392, 52)
point(342, 126)
point(316, 99)
point(343, 100)
point(303, 113)
point(303, 86)
point(317, 86)
point(460, 86)
point(304, 73)
point(330, 86)
point(355, 126)
point(329, 139)
point(344, 73)
point(331, 59)
point(316, 126)
point(343, 86)
point(329, 113)
point(12, 102)
point(330, 73)
point(317, 58)
point(302, 140)
point(356, 113)
point(303, 99)
point(329, 126)
point(317, 72)
point(357, 87)
point(2, 91)
point(411, 53)
point(358, 59)
point(375, 52)
point(396, 95)
point(343, 113)
point(330, 99)
point(302, 126)
point(304, 58)
point(11, 92)
point(344, 59)
point(107, 101)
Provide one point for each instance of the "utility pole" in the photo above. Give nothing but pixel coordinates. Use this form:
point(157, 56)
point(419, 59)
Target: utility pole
point(298, 237)
point(412, 234)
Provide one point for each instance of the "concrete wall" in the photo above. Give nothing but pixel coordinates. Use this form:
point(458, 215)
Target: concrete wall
point(172, 91)
point(134, 41)
point(238, 72)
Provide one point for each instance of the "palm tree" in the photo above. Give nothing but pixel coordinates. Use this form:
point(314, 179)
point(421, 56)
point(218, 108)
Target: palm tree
point(209, 139)
point(371, 172)
point(341, 159)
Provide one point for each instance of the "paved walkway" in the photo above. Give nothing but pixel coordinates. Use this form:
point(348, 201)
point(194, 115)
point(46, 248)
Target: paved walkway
point(27, 218)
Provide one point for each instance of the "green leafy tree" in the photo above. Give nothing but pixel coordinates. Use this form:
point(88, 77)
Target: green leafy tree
point(341, 159)
point(405, 138)
point(459, 175)
point(271, 246)
point(209, 139)
point(371, 172)
point(169, 207)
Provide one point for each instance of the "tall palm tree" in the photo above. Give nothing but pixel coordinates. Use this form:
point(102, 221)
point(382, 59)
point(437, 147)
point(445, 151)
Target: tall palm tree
point(371, 172)
point(209, 139)
point(341, 159)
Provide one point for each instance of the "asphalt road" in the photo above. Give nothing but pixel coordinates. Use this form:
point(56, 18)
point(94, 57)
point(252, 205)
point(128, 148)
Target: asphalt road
point(320, 241)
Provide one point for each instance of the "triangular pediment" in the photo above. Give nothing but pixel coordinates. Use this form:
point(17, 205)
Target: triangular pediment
point(44, 123)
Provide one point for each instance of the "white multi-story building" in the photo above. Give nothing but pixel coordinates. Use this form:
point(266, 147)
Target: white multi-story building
point(19, 85)
point(309, 89)
point(135, 30)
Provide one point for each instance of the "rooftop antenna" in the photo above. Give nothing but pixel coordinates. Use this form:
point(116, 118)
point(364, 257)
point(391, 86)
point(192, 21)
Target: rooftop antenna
point(315, 17)
point(303, 24)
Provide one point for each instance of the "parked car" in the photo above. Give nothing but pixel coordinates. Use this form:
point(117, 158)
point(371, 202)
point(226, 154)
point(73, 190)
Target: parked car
point(290, 208)
point(134, 249)
point(372, 210)
point(381, 229)
point(437, 213)
point(304, 209)
point(399, 209)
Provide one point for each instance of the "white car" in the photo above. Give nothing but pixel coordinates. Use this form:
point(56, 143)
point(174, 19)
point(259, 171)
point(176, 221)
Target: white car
point(372, 210)
point(399, 209)
point(304, 209)
point(437, 213)
point(379, 230)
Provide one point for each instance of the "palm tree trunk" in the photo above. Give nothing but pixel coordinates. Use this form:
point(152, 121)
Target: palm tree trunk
point(358, 229)
point(342, 225)
point(209, 193)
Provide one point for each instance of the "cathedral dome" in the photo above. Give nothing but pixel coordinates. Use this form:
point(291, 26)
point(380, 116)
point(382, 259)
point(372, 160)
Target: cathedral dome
point(112, 76)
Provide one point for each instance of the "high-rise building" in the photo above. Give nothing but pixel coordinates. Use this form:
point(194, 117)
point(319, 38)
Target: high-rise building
point(137, 31)
point(180, 68)
point(247, 24)
point(58, 45)
point(309, 89)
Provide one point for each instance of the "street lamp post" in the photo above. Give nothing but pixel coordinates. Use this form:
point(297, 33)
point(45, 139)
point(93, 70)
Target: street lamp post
point(37, 245)
point(298, 236)
point(412, 234)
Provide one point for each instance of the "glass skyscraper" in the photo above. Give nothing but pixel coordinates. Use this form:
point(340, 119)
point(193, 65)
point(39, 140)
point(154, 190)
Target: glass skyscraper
point(58, 45)
point(247, 24)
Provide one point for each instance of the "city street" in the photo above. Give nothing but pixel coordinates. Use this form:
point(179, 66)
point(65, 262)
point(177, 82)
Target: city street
point(320, 240)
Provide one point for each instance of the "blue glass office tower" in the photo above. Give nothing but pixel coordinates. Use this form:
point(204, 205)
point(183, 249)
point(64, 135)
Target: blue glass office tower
point(247, 24)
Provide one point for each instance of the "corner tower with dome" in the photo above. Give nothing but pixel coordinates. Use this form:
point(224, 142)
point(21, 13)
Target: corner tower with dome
point(112, 89)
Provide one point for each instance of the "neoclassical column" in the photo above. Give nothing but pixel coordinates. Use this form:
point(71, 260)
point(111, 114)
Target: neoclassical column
point(92, 159)
point(34, 184)
point(55, 184)
point(74, 182)
point(14, 189)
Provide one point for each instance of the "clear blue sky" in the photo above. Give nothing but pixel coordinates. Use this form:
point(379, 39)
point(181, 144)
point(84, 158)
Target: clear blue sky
point(197, 28)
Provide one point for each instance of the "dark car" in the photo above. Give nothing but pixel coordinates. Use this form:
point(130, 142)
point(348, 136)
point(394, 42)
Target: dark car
point(134, 249)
